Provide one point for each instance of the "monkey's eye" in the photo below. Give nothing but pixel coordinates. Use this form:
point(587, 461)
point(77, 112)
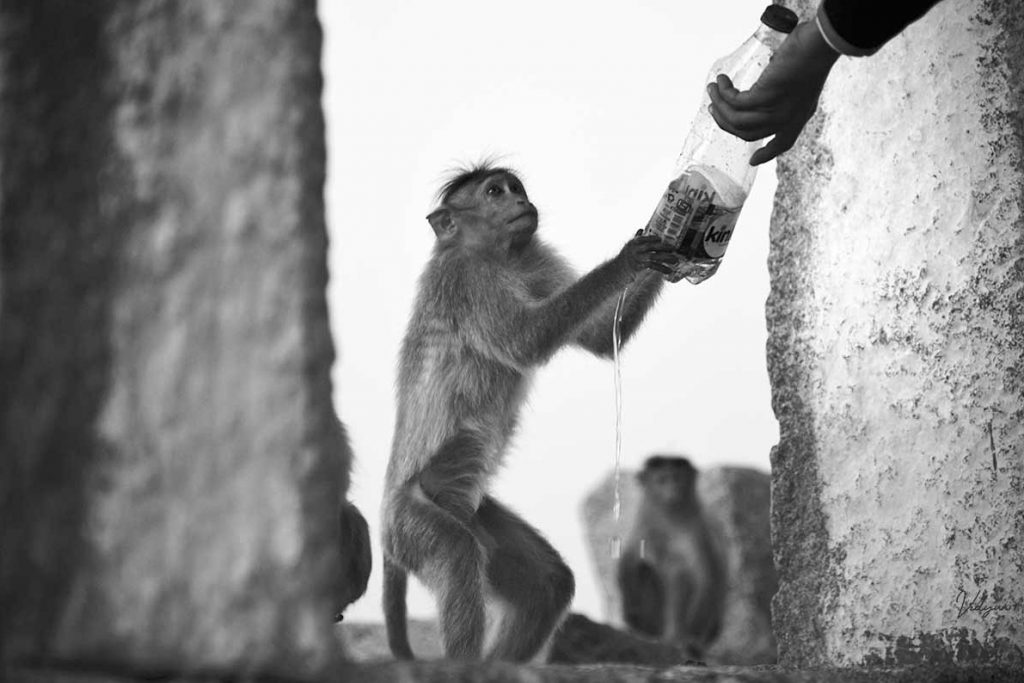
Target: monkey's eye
point(493, 190)
point(517, 188)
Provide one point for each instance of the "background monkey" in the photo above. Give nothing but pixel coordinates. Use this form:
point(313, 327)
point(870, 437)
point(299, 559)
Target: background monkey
point(493, 303)
point(354, 542)
point(674, 586)
point(353, 537)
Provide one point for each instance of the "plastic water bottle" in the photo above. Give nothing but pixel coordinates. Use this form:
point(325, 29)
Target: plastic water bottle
point(713, 175)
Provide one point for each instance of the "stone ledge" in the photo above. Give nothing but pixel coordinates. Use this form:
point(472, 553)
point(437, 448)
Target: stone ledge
point(441, 671)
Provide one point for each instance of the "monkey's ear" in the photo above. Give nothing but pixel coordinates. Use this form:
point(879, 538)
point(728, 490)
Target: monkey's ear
point(442, 222)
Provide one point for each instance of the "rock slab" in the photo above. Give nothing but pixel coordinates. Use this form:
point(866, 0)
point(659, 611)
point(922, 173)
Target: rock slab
point(579, 641)
point(896, 356)
point(170, 461)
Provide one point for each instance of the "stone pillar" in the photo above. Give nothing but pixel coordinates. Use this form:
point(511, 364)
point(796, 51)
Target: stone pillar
point(170, 461)
point(896, 353)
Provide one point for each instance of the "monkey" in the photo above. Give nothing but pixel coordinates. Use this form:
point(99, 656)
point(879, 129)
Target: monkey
point(670, 574)
point(493, 303)
point(353, 534)
point(357, 562)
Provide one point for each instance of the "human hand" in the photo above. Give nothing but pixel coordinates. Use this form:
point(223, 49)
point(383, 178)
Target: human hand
point(784, 97)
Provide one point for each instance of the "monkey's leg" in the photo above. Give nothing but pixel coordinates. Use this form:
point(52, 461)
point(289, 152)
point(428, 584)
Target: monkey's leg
point(643, 597)
point(678, 601)
point(704, 617)
point(527, 572)
point(445, 555)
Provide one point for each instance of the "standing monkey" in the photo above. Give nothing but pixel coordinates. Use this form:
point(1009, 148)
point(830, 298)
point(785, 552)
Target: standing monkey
point(670, 575)
point(493, 303)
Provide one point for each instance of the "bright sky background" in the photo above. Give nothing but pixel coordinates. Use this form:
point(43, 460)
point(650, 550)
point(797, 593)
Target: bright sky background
point(590, 101)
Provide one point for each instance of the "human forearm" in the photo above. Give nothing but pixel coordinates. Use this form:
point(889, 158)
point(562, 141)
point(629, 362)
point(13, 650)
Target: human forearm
point(860, 27)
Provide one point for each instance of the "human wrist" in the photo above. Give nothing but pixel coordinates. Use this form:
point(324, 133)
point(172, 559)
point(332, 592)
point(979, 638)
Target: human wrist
point(818, 49)
point(827, 30)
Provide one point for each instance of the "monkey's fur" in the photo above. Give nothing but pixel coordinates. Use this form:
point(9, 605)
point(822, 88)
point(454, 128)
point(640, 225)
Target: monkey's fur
point(353, 538)
point(674, 587)
point(493, 303)
point(357, 563)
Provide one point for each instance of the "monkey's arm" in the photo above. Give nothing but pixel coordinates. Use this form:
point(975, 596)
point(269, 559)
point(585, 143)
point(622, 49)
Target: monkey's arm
point(502, 320)
point(596, 336)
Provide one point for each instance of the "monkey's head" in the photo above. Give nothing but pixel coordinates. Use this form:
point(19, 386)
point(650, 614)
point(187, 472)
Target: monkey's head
point(668, 479)
point(484, 207)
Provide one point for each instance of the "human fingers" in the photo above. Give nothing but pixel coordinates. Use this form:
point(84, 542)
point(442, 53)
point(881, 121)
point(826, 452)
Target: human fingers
point(745, 120)
point(748, 126)
point(779, 144)
point(756, 97)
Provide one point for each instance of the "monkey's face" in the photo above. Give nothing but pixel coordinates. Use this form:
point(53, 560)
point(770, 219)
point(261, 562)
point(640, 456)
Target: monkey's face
point(501, 201)
point(670, 481)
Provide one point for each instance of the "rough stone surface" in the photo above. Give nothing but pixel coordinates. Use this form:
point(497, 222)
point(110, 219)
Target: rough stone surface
point(578, 641)
point(495, 672)
point(368, 641)
point(736, 505)
point(737, 502)
point(170, 462)
point(895, 353)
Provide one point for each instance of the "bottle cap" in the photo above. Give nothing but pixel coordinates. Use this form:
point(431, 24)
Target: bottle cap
point(779, 18)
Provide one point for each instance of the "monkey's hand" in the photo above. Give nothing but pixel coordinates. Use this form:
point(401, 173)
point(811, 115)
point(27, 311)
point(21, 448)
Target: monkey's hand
point(648, 252)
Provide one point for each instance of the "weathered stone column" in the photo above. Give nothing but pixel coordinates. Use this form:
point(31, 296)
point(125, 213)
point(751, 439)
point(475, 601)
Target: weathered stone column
point(896, 353)
point(170, 462)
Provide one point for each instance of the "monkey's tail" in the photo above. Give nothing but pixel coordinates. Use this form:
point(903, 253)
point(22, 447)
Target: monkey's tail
point(395, 586)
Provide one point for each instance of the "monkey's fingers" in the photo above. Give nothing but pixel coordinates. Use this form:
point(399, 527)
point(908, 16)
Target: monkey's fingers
point(662, 265)
point(662, 252)
point(643, 240)
point(664, 270)
point(659, 261)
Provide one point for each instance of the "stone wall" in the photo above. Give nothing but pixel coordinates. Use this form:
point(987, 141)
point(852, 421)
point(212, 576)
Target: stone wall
point(170, 461)
point(896, 353)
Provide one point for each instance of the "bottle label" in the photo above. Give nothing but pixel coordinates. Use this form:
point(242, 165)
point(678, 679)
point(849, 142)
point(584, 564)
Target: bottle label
point(693, 216)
